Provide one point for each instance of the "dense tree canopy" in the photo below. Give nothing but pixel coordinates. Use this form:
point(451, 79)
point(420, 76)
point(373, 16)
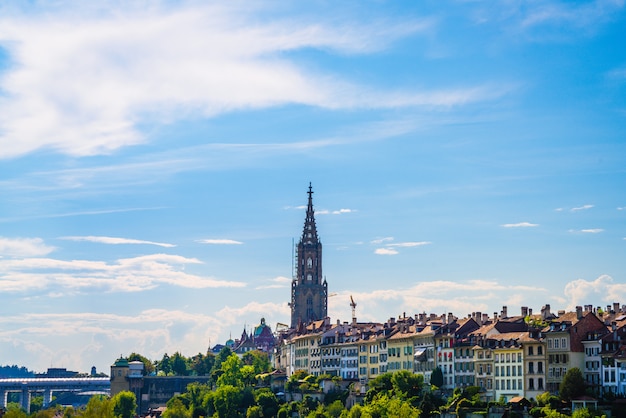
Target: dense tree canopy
point(573, 385)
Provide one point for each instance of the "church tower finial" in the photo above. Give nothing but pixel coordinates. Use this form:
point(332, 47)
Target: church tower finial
point(309, 292)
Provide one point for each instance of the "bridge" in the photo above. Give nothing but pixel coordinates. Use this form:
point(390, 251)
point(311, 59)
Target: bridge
point(47, 385)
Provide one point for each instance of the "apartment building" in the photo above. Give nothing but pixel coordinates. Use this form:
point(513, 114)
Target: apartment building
point(564, 338)
point(506, 356)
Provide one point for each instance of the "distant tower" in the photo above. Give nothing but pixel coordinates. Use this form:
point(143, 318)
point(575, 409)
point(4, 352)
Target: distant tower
point(309, 292)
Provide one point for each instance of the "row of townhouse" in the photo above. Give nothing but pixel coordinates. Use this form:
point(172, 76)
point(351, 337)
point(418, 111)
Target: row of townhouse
point(507, 356)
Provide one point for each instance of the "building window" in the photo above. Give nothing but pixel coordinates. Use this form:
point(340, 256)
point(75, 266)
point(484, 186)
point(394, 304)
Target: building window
point(530, 350)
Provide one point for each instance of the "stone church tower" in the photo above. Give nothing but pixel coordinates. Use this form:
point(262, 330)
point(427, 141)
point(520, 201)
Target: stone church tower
point(309, 291)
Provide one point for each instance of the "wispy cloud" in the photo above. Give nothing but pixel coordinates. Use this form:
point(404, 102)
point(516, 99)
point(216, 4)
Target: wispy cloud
point(579, 208)
point(334, 212)
point(280, 282)
point(114, 241)
point(219, 241)
point(519, 225)
point(436, 296)
point(587, 231)
point(409, 244)
point(89, 80)
point(381, 240)
point(24, 247)
point(571, 15)
point(390, 247)
point(83, 276)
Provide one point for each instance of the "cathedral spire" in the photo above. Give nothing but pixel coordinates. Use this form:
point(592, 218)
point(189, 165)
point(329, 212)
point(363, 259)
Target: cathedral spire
point(309, 233)
point(309, 291)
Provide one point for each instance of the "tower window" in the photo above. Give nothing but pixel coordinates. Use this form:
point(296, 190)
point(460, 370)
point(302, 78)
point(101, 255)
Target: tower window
point(309, 262)
point(309, 277)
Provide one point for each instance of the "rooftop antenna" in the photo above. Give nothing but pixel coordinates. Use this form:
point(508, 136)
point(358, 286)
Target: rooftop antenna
point(353, 306)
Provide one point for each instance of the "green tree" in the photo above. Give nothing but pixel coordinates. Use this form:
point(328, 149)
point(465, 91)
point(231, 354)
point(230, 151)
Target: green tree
point(194, 397)
point(582, 413)
point(268, 402)
point(165, 365)
point(176, 409)
point(573, 385)
point(124, 404)
point(226, 400)
point(14, 410)
point(407, 385)
point(202, 365)
point(254, 411)
point(231, 372)
point(380, 385)
point(99, 406)
point(389, 407)
point(335, 409)
point(179, 364)
point(259, 360)
point(436, 377)
point(547, 399)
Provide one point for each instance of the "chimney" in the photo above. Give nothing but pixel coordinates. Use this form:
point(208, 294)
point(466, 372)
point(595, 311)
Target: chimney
point(495, 316)
point(616, 307)
point(524, 311)
point(530, 311)
point(545, 311)
point(579, 312)
point(504, 313)
point(484, 319)
point(560, 312)
point(450, 318)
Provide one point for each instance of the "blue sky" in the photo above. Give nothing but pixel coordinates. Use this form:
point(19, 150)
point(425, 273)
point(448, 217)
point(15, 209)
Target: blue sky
point(155, 158)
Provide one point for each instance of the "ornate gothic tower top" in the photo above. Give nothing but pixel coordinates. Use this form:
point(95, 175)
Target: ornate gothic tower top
point(309, 292)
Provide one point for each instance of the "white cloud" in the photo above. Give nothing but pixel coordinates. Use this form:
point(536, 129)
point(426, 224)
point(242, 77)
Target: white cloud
point(125, 275)
point(24, 247)
point(391, 247)
point(80, 84)
point(385, 251)
point(114, 241)
point(409, 244)
point(220, 241)
point(381, 240)
point(436, 296)
point(232, 315)
point(279, 282)
point(579, 16)
point(584, 207)
point(579, 292)
point(333, 212)
point(587, 231)
point(520, 225)
point(342, 211)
